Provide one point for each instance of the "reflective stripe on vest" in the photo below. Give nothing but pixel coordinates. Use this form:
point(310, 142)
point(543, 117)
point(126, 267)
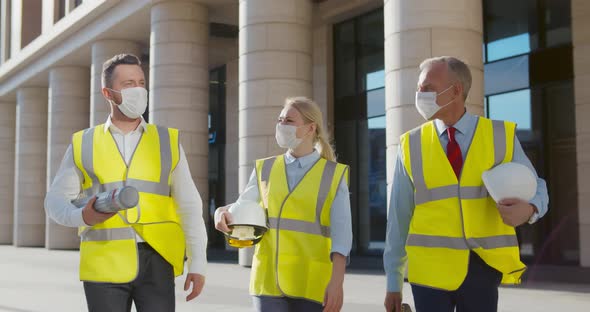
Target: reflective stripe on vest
point(159, 188)
point(108, 250)
point(424, 194)
point(297, 225)
point(293, 257)
point(460, 242)
point(95, 235)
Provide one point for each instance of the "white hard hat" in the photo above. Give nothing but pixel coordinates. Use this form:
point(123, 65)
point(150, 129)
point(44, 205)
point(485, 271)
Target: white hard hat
point(510, 180)
point(249, 224)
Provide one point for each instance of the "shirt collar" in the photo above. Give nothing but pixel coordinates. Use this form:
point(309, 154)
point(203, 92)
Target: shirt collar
point(462, 125)
point(108, 125)
point(303, 161)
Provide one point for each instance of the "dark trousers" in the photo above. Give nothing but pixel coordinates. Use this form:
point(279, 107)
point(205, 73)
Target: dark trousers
point(284, 304)
point(478, 293)
point(152, 290)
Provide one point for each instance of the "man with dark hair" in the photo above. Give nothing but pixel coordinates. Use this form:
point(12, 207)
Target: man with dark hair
point(134, 255)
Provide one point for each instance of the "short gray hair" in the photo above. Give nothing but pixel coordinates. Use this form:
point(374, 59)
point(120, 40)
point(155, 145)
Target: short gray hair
point(456, 67)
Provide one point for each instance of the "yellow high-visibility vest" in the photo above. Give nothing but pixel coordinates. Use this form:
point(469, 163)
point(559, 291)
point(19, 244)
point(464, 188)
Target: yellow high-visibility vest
point(108, 251)
point(453, 216)
point(293, 257)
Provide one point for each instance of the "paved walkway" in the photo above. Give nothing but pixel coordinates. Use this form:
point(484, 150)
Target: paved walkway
point(38, 280)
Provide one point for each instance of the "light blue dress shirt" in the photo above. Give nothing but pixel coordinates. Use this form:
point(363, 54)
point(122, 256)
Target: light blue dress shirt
point(340, 216)
point(401, 205)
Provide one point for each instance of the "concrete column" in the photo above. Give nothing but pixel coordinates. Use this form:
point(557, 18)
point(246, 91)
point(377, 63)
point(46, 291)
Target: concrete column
point(68, 113)
point(4, 31)
point(232, 189)
point(70, 5)
point(30, 172)
point(581, 49)
point(413, 32)
point(7, 132)
point(48, 15)
point(102, 51)
point(323, 88)
point(275, 63)
point(16, 25)
point(179, 81)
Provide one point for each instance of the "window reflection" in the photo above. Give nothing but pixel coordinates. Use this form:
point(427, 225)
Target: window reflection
point(359, 128)
point(377, 122)
point(376, 102)
point(509, 46)
point(376, 80)
point(507, 75)
point(512, 106)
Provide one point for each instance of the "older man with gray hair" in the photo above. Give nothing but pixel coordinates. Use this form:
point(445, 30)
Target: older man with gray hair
point(459, 244)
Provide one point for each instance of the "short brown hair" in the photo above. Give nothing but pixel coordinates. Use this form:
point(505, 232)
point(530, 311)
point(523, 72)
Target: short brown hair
point(108, 68)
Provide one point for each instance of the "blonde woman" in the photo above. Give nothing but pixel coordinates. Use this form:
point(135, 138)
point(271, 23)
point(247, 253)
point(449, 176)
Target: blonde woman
point(300, 262)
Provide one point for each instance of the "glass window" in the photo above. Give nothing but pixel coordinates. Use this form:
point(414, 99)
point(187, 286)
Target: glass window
point(371, 48)
point(509, 46)
point(558, 22)
point(60, 10)
point(377, 122)
point(359, 127)
point(510, 28)
point(512, 106)
point(217, 149)
point(344, 59)
point(375, 80)
point(376, 102)
point(31, 21)
point(507, 75)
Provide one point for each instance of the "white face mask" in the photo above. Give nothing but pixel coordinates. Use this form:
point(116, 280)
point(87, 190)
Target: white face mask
point(426, 103)
point(286, 136)
point(134, 101)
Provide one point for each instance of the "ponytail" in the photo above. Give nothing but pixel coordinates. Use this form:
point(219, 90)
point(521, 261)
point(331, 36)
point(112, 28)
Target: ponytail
point(324, 147)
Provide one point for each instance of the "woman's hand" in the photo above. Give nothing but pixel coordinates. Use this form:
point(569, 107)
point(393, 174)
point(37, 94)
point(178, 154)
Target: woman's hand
point(334, 296)
point(222, 218)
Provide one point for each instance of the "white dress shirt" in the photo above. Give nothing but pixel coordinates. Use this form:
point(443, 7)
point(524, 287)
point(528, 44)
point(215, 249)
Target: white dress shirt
point(67, 183)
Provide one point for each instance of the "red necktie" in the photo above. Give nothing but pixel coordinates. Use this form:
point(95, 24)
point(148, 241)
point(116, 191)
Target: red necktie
point(454, 152)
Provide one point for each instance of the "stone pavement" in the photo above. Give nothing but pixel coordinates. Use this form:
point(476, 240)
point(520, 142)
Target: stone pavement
point(38, 280)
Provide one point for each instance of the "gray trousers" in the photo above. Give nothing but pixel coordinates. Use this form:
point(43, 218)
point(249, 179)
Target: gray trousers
point(152, 290)
point(284, 304)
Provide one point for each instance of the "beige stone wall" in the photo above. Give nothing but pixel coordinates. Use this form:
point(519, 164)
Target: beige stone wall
point(581, 44)
point(68, 113)
point(232, 171)
point(414, 32)
point(179, 81)
point(7, 133)
point(101, 51)
point(323, 88)
point(275, 57)
point(30, 164)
